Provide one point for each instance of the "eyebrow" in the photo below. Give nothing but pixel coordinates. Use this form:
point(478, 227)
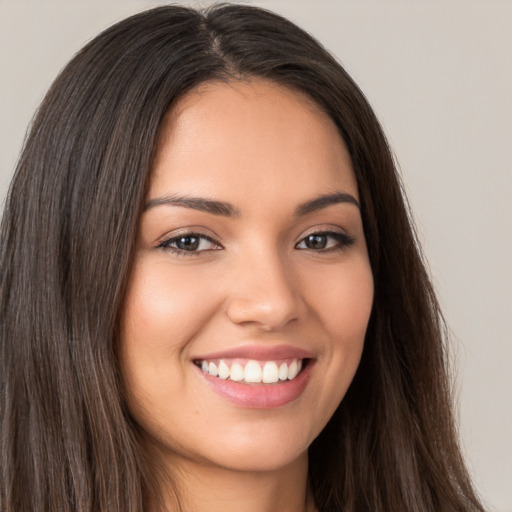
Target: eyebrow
point(228, 210)
point(195, 203)
point(325, 201)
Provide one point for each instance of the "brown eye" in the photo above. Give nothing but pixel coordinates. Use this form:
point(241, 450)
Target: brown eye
point(316, 242)
point(189, 243)
point(325, 241)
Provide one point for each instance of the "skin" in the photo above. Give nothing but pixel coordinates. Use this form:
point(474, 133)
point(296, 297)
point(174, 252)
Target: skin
point(265, 150)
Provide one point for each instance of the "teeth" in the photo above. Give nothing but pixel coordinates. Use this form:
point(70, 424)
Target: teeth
point(223, 370)
point(270, 373)
point(212, 369)
point(254, 371)
point(236, 372)
point(292, 370)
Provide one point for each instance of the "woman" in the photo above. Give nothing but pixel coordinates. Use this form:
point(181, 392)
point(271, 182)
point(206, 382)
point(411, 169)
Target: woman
point(212, 297)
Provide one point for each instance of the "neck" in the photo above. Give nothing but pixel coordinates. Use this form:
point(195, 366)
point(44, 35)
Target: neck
point(205, 487)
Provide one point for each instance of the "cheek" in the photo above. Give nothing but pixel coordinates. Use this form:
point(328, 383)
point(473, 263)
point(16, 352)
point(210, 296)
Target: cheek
point(163, 309)
point(162, 314)
point(343, 307)
point(350, 313)
point(344, 302)
point(352, 306)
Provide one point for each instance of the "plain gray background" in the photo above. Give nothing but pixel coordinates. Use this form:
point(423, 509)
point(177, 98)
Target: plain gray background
point(439, 75)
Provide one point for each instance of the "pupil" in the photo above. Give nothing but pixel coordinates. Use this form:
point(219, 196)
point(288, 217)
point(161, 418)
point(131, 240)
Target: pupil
point(188, 243)
point(316, 241)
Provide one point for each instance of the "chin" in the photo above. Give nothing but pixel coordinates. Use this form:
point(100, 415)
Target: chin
point(265, 447)
point(258, 460)
point(254, 447)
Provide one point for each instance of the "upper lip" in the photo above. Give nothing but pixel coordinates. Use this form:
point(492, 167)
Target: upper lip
point(259, 353)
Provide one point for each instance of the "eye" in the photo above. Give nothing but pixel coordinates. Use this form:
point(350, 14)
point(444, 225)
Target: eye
point(325, 241)
point(189, 243)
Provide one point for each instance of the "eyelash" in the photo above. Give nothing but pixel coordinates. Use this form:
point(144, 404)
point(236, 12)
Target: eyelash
point(166, 244)
point(342, 242)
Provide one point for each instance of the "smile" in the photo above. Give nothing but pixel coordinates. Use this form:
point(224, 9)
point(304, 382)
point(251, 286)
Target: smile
point(252, 371)
point(257, 376)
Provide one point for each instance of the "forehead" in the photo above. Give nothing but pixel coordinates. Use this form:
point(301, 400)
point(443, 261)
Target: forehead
point(254, 136)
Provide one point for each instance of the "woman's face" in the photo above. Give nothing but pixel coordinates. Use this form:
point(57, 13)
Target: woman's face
point(251, 264)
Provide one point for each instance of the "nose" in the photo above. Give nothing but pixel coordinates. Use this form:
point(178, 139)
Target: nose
point(264, 293)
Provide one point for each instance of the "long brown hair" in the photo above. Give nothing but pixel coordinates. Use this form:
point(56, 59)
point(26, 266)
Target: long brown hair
point(67, 441)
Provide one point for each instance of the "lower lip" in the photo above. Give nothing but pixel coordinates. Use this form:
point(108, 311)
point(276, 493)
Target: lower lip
point(260, 396)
